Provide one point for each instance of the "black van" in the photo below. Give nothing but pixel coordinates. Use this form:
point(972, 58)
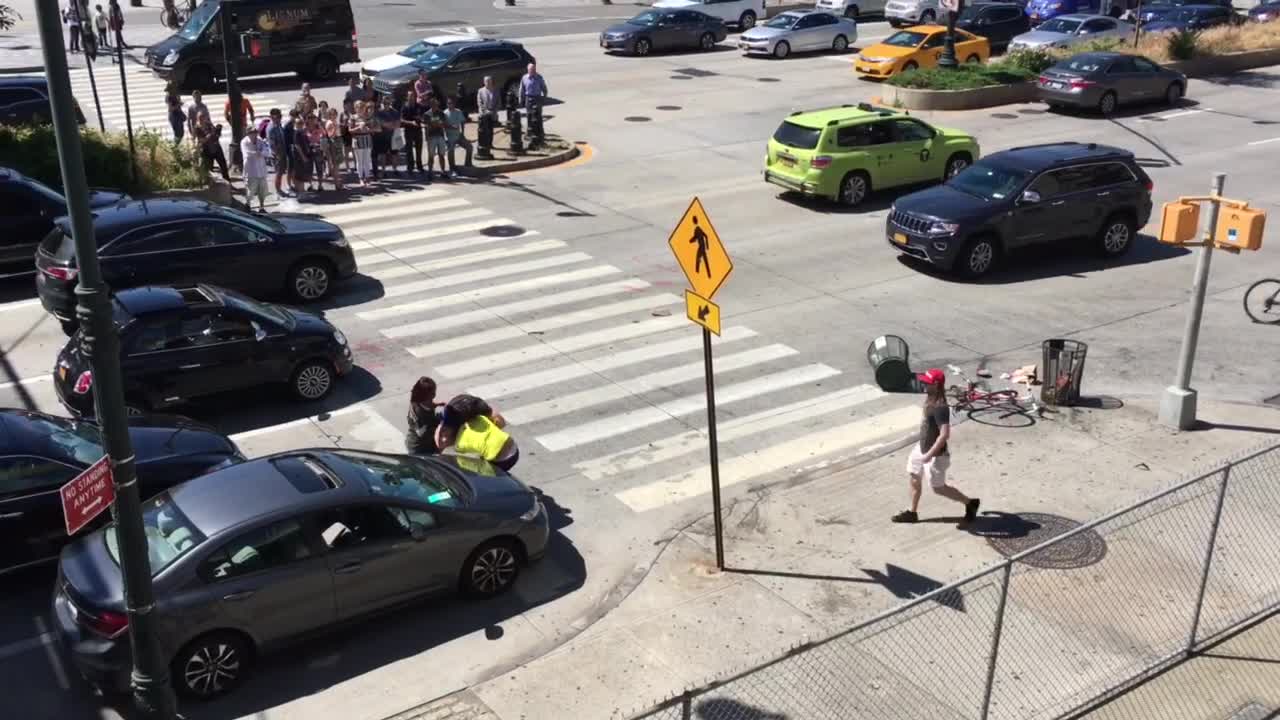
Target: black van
point(310, 37)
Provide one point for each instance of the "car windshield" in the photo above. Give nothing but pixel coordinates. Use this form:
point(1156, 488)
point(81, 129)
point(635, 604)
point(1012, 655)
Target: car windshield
point(198, 20)
point(1065, 26)
point(989, 181)
point(258, 309)
point(261, 223)
point(400, 476)
point(646, 18)
point(969, 13)
point(437, 58)
point(169, 533)
point(78, 442)
point(418, 49)
point(1081, 64)
point(1181, 14)
point(905, 38)
point(784, 21)
point(797, 136)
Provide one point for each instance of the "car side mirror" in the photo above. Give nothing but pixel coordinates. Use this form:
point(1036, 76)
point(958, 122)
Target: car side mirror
point(1029, 197)
point(258, 333)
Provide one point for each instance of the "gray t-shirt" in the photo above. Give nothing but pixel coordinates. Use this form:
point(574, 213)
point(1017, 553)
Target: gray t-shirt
point(931, 426)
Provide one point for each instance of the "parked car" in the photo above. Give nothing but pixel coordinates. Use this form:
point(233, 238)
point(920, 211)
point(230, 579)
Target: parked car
point(310, 37)
point(998, 22)
point(465, 63)
point(1024, 197)
point(851, 8)
point(1155, 9)
point(1039, 11)
point(248, 558)
point(743, 13)
point(179, 343)
point(799, 30)
point(1192, 18)
point(1265, 12)
point(422, 48)
point(918, 47)
point(40, 453)
point(1067, 30)
point(664, 30)
point(28, 208)
point(901, 13)
point(843, 153)
point(186, 241)
point(1106, 81)
point(24, 100)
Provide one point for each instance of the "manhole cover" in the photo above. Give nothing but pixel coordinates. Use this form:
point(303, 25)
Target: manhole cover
point(767, 79)
point(1266, 122)
point(503, 231)
point(1012, 533)
point(694, 72)
point(637, 118)
point(1004, 116)
point(1030, 111)
point(669, 107)
point(681, 77)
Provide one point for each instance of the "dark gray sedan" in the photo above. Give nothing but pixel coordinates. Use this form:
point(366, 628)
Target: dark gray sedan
point(250, 557)
point(1105, 81)
point(664, 29)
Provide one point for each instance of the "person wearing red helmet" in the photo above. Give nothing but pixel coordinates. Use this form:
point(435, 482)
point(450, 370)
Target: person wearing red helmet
point(931, 457)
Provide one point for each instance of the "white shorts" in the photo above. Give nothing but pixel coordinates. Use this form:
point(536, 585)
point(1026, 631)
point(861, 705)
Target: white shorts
point(256, 187)
point(935, 471)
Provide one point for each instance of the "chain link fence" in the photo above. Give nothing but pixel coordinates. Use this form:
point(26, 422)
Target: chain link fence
point(1046, 632)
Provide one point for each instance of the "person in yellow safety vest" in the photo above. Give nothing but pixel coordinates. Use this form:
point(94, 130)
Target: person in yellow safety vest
point(472, 427)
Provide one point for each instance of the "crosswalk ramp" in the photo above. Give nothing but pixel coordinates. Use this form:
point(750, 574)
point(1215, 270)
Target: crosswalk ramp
point(146, 94)
point(598, 371)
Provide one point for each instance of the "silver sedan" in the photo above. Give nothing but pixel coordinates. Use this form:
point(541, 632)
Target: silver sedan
point(799, 30)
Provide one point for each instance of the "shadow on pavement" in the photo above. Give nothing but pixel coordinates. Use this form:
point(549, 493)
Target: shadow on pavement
point(903, 583)
point(1072, 258)
point(877, 200)
point(721, 709)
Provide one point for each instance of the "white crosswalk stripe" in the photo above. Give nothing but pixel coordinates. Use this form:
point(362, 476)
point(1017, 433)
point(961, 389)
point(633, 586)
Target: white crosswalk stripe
point(592, 367)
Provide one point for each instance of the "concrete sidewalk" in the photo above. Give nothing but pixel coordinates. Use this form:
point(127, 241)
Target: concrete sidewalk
point(816, 554)
point(20, 52)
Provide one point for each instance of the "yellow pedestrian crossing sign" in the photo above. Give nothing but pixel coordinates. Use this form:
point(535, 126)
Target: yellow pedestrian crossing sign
point(699, 251)
point(702, 311)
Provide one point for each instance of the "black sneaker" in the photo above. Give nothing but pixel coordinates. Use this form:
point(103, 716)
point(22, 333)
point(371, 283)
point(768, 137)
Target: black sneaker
point(906, 516)
point(971, 510)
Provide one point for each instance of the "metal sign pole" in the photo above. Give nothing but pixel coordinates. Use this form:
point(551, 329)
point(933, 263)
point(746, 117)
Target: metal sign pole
point(93, 85)
point(715, 452)
point(128, 117)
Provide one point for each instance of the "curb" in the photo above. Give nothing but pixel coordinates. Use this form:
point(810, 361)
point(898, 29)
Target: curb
point(533, 164)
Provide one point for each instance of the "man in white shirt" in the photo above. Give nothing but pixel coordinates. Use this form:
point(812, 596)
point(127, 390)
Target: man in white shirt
point(254, 149)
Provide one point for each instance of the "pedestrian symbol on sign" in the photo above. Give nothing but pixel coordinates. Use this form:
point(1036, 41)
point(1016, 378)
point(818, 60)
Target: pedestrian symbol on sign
point(700, 237)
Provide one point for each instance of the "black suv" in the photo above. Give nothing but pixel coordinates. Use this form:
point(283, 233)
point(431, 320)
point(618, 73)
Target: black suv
point(1026, 196)
point(28, 208)
point(24, 100)
point(465, 63)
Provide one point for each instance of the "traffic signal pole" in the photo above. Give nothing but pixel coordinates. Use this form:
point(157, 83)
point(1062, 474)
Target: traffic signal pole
point(152, 695)
point(231, 51)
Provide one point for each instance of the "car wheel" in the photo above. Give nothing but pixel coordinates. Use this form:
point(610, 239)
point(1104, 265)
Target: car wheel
point(851, 12)
point(978, 257)
point(973, 60)
point(200, 77)
point(782, 49)
point(311, 280)
point(1173, 94)
point(909, 65)
point(955, 164)
point(210, 666)
point(312, 380)
point(895, 23)
point(1116, 236)
point(747, 21)
point(1107, 104)
point(642, 47)
point(491, 569)
point(854, 188)
point(324, 68)
point(840, 44)
point(928, 17)
point(707, 41)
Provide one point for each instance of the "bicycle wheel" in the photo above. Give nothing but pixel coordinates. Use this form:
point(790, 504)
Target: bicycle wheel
point(1007, 415)
point(997, 398)
point(1262, 302)
point(168, 18)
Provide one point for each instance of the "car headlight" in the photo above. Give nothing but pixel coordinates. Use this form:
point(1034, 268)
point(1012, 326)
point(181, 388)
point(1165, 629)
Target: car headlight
point(943, 228)
point(339, 338)
point(341, 241)
point(532, 512)
point(872, 60)
point(170, 59)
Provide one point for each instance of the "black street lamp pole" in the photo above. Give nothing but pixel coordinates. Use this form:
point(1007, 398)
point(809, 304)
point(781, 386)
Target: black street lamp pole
point(231, 51)
point(152, 695)
point(948, 57)
point(128, 116)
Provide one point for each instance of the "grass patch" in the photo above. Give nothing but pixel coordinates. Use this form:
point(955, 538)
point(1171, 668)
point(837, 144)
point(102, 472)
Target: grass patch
point(965, 77)
point(33, 151)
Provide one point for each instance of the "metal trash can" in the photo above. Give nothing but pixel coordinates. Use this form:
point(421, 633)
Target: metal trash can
point(890, 359)
point(1063, 371)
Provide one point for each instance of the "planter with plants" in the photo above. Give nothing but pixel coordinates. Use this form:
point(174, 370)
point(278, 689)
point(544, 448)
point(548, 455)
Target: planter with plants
point(162, 165)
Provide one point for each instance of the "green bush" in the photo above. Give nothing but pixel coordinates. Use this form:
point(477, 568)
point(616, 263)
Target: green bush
point(965, 77)
point(1034, 61)
point(1183, 44)
point(33, 151)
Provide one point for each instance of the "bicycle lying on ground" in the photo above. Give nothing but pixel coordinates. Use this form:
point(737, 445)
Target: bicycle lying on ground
point(1262, 302)
point(1004, 408)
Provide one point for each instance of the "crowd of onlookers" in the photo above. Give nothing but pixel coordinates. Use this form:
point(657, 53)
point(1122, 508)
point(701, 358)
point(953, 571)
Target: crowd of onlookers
point(371, 137)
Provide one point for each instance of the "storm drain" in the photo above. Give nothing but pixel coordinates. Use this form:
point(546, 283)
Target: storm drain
point(694, 72)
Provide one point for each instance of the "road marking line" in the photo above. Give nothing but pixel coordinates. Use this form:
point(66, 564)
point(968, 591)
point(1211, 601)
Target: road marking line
point(26, 381)
point(420, 268)
point(1264, 142)
point(498, 361)
point(606, 427)
point(555, 322)
point(506, 310)
point(660, 380)
point(358, 407)
point(488, 293)
point(374, 256)
point(583, 368)
point(640, 456)
point(19, 304)
point(410, 218)
point(484, 275)
point(695, 483)
point(50, 652)
point(1183, 113)
point(414, 236)
point(18, 647)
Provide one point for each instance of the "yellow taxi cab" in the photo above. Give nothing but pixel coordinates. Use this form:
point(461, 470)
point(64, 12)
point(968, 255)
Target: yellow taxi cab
point(918, 47)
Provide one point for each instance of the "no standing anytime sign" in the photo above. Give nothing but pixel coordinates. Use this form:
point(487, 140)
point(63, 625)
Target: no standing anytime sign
point(91, 492)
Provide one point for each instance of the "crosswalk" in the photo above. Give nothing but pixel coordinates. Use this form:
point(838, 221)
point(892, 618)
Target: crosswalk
point(596, 370)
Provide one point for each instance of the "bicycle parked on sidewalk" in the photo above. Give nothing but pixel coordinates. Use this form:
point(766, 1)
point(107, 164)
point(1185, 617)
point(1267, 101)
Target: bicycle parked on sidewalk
point(1262, 302)
point(1005, 408)
point(172, 17)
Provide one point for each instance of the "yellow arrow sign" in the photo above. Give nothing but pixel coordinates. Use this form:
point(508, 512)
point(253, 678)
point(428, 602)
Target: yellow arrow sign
point(699, 251)
point(702, 311)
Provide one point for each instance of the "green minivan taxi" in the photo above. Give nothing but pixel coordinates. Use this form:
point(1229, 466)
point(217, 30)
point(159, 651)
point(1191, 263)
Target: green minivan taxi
point(843, 153)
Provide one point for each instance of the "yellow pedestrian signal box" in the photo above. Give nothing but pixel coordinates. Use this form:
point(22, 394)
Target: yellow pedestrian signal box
point(1239, 228)
point(1179, 223)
